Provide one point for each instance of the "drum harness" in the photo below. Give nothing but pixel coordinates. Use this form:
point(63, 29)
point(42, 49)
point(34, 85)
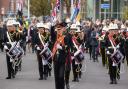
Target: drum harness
point(78, 69)
point(115, 48)
point(14, 63)
point(45, 47)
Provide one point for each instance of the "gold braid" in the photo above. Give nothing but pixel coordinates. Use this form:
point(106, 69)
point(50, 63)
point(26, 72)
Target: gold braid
point(11, 36)
point(44, 38)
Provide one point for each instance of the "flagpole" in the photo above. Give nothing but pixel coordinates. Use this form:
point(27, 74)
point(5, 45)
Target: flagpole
point(61, 11)
point(28, 9)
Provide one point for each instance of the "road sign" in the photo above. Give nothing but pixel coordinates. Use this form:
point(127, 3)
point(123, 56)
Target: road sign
point(105, 6)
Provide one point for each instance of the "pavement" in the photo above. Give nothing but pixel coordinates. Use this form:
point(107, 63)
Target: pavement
point(94, 76)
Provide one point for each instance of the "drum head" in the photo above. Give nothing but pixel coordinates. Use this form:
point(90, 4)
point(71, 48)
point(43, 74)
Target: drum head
point(117, 56)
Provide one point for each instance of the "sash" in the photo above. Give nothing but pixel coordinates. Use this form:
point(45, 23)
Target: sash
point(9, 39)
point(112, 43)
point(59, 40)
point(41, 39)
point(73, 40)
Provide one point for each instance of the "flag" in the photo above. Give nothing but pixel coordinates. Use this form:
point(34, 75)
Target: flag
point(20, 5)
point(78, 15)
point(57, 5)
point(76, 12)
point(54, 12)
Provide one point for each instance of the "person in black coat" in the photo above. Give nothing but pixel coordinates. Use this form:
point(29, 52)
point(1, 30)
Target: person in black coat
point(69, 44)
point(1, 38)
point(39, 47)
point(111, 64)
point(59, 57)
point(33, 32)
point(7, 45)
point(94, 44)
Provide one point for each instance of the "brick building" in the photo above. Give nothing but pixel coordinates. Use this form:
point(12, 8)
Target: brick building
point(4, 5)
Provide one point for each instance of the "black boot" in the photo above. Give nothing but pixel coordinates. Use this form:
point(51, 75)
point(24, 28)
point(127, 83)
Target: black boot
point(115, 81)
point(111, 82)
point(41, 78)
point(67, 86)
point(8, 77)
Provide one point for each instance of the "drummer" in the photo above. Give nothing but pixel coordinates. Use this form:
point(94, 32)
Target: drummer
point(39, 46)
point(47, 60)
point(47, 40)
point(10, 37)
point(110, 49)
point(73, 31)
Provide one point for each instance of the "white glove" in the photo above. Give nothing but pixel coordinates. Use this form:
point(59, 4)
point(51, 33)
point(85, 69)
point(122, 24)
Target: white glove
point(46, 45)
point(117, 46)
point(5, 47)
point(72, 57)
point(58, 46)
point(114, 64)
point(108, 52)
point(11, 60)
point(38, 48)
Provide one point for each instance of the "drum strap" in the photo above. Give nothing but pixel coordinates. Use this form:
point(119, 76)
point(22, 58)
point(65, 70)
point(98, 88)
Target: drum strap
point(112, 44)
point(9, 38)
point(73, 40)
point(40, 39)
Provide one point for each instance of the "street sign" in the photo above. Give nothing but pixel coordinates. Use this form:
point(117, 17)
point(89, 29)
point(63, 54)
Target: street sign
point(105, 6)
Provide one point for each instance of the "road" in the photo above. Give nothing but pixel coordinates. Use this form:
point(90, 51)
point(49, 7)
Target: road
point(94, 76)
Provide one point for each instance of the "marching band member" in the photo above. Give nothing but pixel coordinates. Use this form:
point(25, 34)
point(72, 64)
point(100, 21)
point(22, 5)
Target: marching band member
point(59, 57)
point(111, 46)
point(47, 61)
point(102, 44)
point(80, 40)
point(19, 36)
point(69, 44)
point(126, 42)
point(112, 68)
point(10, 37)
point(75, 64)
point(1, 36)
point(39, 41)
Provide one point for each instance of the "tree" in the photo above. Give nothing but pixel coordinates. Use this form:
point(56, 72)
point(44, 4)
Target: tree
point(125, 12)
point(40, 7)
point(68, 7)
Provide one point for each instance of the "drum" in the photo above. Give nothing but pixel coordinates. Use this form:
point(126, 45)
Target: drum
point(15, 52)
point(21, 52)
point(117, 57)
point(46, 53)
point(79, 56)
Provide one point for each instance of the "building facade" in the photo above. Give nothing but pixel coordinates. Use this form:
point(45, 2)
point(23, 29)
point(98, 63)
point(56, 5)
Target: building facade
point(96, 9)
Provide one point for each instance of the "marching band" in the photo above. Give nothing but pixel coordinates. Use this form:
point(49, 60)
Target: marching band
point(61, 46)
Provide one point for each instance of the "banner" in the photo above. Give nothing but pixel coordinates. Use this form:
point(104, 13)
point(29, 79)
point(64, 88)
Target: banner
point(20, 5)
